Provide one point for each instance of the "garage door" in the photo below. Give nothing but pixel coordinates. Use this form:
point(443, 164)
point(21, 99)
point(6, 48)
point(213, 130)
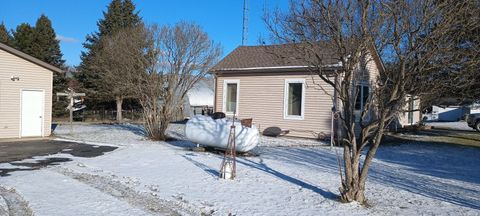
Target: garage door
point(32, 113)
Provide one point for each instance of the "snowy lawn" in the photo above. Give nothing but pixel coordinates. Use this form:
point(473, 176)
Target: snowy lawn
point(289, 177)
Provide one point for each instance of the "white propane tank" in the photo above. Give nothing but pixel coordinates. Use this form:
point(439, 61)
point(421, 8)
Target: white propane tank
point(206, 131)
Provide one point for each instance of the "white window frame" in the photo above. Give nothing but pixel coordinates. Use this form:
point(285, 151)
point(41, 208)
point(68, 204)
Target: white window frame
point(358, 112)
point(285, 100)
point(360, 95)
point(224, 102)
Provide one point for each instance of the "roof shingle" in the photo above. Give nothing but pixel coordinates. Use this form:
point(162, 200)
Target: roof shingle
point(251, 58)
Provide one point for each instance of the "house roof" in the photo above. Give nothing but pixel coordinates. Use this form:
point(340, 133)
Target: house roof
point(30, 58)
point(272, 58)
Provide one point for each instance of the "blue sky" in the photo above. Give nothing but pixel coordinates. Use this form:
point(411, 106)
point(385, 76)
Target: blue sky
point(73, 20)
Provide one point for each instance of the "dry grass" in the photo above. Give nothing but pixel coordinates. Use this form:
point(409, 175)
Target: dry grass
point(454, 137)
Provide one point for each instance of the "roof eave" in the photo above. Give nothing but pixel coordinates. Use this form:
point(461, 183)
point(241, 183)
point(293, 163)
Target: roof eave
point(30, 58)
point(268, 70)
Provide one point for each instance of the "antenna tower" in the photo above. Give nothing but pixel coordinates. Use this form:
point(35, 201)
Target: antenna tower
point(245, 22)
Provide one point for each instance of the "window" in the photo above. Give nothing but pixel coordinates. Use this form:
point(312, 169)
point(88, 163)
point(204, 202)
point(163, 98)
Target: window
point(411, 106)
point(362, 92)
point(294, 98)
point(230, 96)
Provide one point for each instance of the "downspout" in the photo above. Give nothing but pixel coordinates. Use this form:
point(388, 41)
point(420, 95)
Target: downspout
point(333, 129)
point(215, 93)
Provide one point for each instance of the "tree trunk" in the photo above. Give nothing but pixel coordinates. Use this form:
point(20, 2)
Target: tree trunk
point(119, 101)
point(156, 129)
point(156, 122)
point(354, 190)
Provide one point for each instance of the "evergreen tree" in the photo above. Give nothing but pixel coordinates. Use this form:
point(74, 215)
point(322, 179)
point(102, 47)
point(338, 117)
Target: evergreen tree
point(40, 42)
point(24, 38)
point(5, 36)
point(46, 46)
point(120, 14)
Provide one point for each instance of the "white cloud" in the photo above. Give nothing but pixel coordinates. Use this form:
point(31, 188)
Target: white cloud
point(67, 39)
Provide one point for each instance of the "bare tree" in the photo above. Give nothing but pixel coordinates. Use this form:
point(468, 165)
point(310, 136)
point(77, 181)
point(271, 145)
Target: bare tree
point(185, 53)
point(121, 58)
point(455, 74)
point(179, 56)
point(157, 66)
point(354, 33)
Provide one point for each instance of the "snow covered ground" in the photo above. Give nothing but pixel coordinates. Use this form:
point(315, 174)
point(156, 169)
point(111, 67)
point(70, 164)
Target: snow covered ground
point(289, 177)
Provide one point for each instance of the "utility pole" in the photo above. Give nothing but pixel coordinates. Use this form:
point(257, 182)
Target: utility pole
point(245, 22)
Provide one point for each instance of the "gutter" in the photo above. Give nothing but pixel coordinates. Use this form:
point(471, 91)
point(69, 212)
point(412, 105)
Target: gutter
point(270, 69)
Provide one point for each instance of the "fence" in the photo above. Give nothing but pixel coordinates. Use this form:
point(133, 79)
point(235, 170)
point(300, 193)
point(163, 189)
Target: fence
point(108, 116)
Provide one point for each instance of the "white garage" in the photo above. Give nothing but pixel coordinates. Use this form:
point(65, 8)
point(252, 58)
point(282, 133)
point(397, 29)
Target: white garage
point(25, 94)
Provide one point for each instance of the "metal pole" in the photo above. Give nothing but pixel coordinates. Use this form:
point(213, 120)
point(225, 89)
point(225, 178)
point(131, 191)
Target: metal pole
point(71, 114)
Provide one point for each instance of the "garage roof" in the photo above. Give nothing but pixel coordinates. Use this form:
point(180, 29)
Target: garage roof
point(30, 58)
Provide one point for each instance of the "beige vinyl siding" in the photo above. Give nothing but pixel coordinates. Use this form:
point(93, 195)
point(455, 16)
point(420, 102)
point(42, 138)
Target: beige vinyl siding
point(32, 77)
point(403, 117)
point(261, 97)
point(372, 70)
point(368, 77)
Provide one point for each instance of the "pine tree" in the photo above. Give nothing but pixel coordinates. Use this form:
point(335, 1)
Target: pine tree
point(120, 14)
point(46, 46)
point(5, 36)
point(40, 42)
point(24, 36)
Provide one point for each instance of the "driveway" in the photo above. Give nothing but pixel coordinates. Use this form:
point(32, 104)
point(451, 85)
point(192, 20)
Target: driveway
point(19, 150)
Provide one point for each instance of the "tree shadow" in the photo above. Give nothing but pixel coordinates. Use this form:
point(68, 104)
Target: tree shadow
point(444, 162)
point(135, 129)
point(408, 167)
point(184, 144)
point(263, 167)
point(212, 172)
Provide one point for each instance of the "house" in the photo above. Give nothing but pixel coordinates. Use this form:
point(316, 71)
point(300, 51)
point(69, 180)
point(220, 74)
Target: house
point(25, 94)
point(280, 94)
point(412, 115)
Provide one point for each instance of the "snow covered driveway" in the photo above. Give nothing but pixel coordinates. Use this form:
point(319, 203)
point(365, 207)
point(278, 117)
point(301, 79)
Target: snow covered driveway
point(289, 177)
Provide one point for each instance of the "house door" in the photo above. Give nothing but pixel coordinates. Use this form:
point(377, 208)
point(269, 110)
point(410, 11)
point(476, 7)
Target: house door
point(32, 113)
